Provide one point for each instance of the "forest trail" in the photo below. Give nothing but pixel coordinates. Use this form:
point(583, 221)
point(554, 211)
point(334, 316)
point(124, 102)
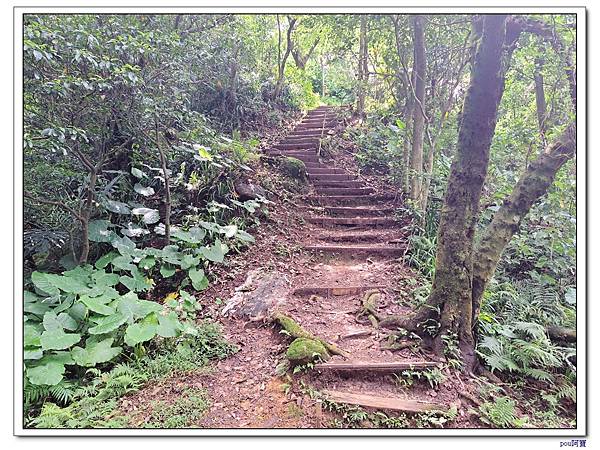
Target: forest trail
point(351, 243)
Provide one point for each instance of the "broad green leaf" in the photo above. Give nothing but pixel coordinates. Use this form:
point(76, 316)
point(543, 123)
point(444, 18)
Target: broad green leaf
point(123, 263)
point(42, 282)
point(117, 207)
point(97, 304)
point(142, 190)
point(194, 235)
point(31, 336)
point(199, 280)
point(95, 353)
point(134, 230)
point(167, 271)
point(99, 231)
point(149, 216)
point(168, 325)
point(145, 307)
point(137, 281)
point(108, 323)
point(244, 236)
point(147, 263)
point(57, 339)
point(67, 322)
point(105, 260)
point(103, 278)
point(229, 230)
point(49, 374)
point(32, 353)
point(124, 245)
point(126, 305)
point(34, 304)
point(140, 332)
point(137, 172)
point(51, 321)
point(216, 252)
point(189, 261)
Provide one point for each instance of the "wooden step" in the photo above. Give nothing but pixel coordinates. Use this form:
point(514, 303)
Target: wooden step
point(326, 171)
point(387, 403)
point(299, 140)
point(358, 211)
point(335, 290)
point(372, 236)
point(357, 250)
point(372, 366)
point(331, 177)
point(345, 191)
point(334, 200)
point(338, 183)
point(294, 146)
point(352, 221)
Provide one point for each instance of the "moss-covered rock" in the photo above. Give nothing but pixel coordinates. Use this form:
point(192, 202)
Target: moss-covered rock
point(294, 168)
point(305, 350)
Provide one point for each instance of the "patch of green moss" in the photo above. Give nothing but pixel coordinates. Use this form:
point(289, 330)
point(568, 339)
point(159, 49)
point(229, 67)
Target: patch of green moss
point(294, 168)
point(305, 350)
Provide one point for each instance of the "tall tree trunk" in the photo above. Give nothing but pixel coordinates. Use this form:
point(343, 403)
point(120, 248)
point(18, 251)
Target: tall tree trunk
point(540, 99)
point(362, 68)
point(506, 222)
point(416, 157)
point(449, 307)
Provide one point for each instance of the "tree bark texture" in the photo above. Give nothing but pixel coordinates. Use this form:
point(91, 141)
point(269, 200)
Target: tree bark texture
point(419, 68)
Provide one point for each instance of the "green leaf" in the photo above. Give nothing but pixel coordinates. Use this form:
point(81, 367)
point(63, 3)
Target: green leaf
point(34, 305)
point(140, 332)
point(189, 261)
point(99, 232)
point(149, 216)
point(108, 323)
point(136, 282)
point(102, 278)
point(57, 339)
point(42, 282)
point(147, 263)
point(105, 260)
point(124, 245)
point(137, 172)
point(32, 353)
point(126, 305)
point(229, 230)
point(244, 236)
point(51, 322)
point(216, 252)
point(199, 280)
point(49, 374)
point(67, 322)
point(168, 326)
point(145, 191)
point(97, 304)
point(117, 207)
point(96, 353)
point(31, 336)
point(167, 271)
point(123, 263)
point(194, 235)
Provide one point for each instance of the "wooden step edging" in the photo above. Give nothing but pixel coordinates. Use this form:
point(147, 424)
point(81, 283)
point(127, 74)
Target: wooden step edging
point(398, 366)
point(388, 403)
point(335, 291)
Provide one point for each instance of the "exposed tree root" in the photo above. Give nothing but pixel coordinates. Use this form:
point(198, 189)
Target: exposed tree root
point(369, 307)
point(296, 331)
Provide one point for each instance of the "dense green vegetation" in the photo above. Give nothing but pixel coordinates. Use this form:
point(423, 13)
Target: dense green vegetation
point(139, 130)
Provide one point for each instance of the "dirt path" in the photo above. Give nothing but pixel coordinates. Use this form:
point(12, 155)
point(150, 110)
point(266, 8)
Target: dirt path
point(351, 244)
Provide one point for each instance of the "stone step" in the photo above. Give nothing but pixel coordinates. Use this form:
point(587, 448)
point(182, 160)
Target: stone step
point(338, 183)
point(357, 250)
point(331, 177)
point(345, 191)
point(386, 403)
point(352, 221)
point(327, 291)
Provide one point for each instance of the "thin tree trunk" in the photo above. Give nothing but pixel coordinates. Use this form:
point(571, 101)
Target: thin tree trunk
point(282, 61)
point(419, 67)
point(362, 68)
point(540, 100)
point(163, 164)
point(506, 222)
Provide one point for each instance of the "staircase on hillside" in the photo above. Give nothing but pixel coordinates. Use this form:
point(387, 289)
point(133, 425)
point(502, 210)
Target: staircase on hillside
point(356, 234)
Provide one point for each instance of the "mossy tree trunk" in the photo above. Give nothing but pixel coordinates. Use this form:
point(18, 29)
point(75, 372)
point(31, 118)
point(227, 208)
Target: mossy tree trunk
point(363, 73)
point(538, 177)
